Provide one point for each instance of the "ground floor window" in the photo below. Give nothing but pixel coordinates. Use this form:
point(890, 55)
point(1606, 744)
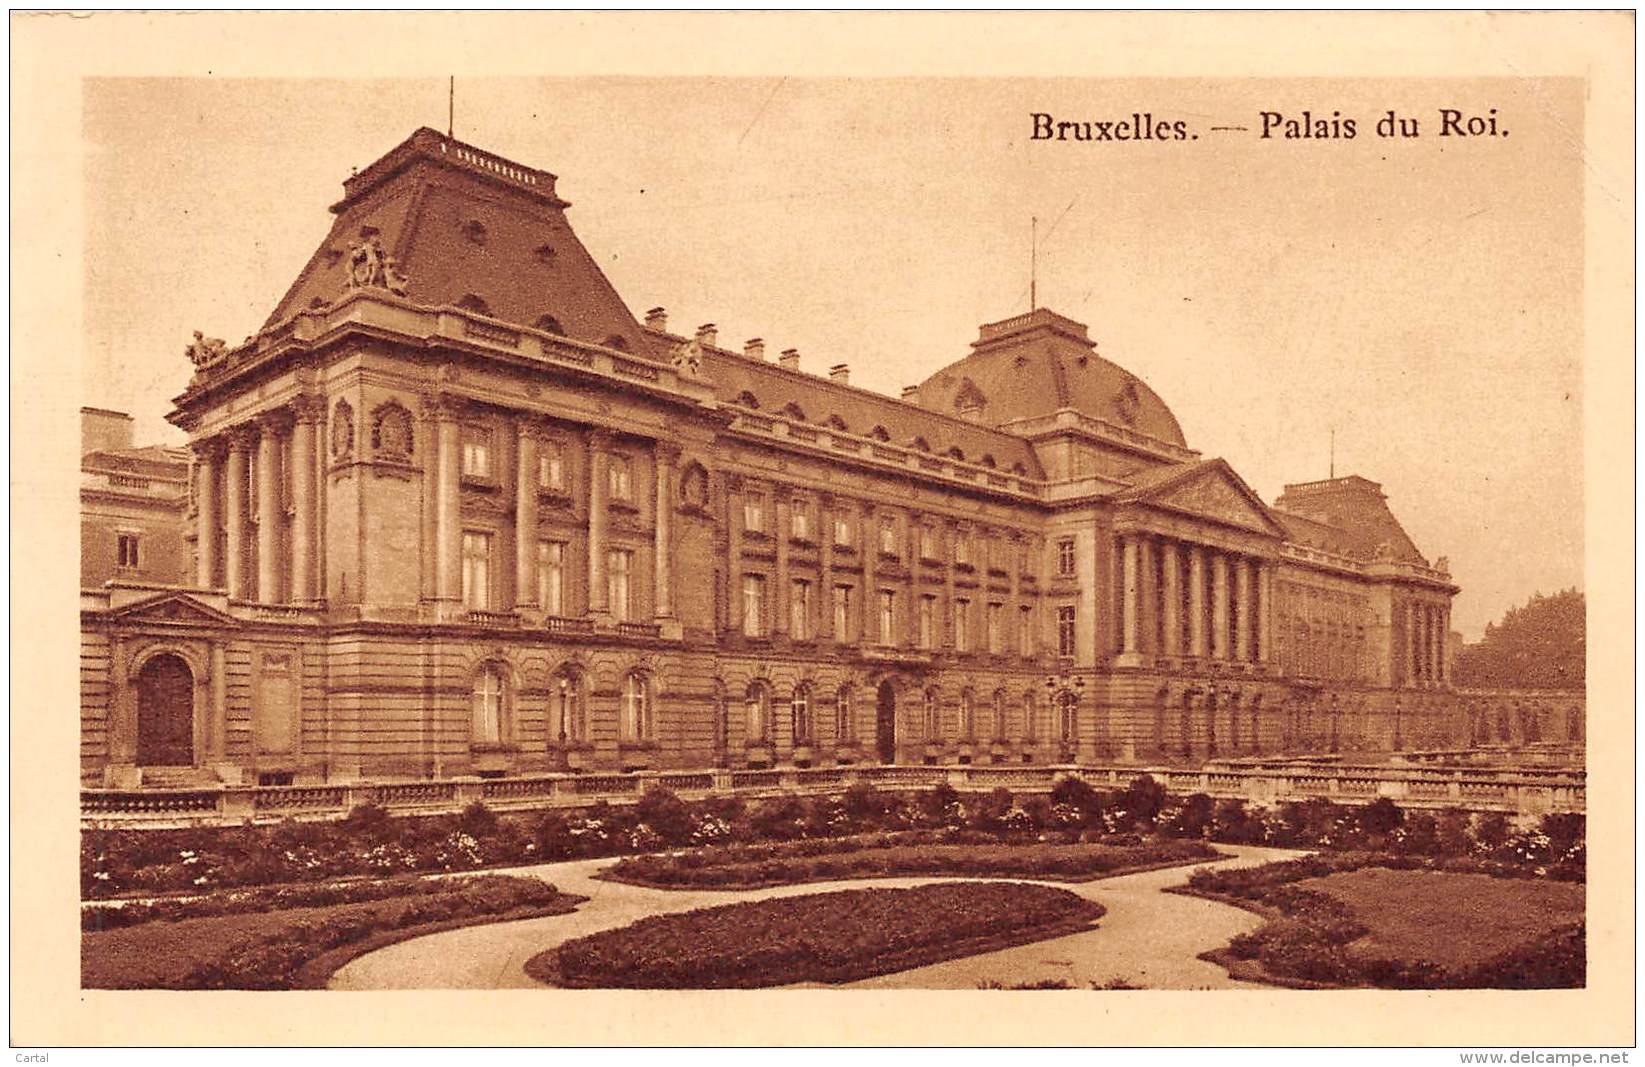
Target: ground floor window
point(489, 695)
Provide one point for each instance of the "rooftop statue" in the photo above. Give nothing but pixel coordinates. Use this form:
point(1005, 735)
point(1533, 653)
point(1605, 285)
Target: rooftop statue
point(203, 351)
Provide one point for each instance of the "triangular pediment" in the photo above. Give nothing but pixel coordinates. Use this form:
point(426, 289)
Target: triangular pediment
point(1210, 490)
point(174, 609)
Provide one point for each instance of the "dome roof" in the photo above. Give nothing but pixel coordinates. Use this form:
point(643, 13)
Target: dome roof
point(1036, 364)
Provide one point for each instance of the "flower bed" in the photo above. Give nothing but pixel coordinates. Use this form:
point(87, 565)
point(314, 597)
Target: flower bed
point(818, 937)
point(1402, 922)
point(890, 855)
point(270, 949)
point(115, 916)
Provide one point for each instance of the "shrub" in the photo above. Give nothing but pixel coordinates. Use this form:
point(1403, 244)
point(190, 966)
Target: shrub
point(864, 805)
point(778, 819)
point(1074, 792)
point(477, 820)
point(1143, 798)
point(1491, 831)
point(371, 821)
point(1452, 833)
point(1192, 818)
point(1380, 817)
point(665, 814)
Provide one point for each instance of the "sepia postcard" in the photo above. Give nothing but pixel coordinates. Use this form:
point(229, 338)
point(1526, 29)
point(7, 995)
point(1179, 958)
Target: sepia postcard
point(1008, 529)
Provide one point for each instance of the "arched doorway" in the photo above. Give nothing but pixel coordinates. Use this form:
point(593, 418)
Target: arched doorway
point(885, 723)
point(165, 713)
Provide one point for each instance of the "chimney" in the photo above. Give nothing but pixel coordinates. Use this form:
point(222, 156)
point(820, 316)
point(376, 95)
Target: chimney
point(790, 358)
point(754, 348)
point(840, 372)
point(911, 393)
point(102, 430)
point(708, 336)
point(657, 319)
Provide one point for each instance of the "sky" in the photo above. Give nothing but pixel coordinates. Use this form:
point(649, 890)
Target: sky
point(1419, 298)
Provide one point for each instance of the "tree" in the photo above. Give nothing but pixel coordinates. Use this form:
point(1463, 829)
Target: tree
point(1541, 645)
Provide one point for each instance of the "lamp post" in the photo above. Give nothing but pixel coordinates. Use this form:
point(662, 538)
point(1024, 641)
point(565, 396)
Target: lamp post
point(1061, 687)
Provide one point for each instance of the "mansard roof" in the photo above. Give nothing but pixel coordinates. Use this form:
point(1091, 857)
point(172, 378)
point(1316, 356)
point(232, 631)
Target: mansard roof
point(1349, 516)
point(467, 227)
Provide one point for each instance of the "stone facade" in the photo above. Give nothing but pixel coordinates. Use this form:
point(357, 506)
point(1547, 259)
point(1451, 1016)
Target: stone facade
point(456, 511)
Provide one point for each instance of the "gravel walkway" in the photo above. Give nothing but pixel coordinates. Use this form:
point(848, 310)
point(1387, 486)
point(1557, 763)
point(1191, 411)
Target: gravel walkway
point(1148, 938)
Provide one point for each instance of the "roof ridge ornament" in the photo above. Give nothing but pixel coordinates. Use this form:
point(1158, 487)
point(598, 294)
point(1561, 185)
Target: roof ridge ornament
point(370, 267)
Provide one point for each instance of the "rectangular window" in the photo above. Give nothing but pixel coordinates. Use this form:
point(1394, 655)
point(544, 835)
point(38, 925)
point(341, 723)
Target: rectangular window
point(620, 566)
point(928, 543)
point(476, 452)
point(842, 613)
point(962, 549)
point(477, 570)
point(996, 628)
point(799, 523)
point(888, 538)
point(128, 550)
point(551, 468)
point(928, 610)
point(996, 557)
point(754, 514)
point(1025, 631)
point(1065, 630)
point(799, 620)
point(1065, 557)
point(962, 626)
point(888, 616)
point(753, 605)
point(551, 576)
point(621, 479)
point(842, 531)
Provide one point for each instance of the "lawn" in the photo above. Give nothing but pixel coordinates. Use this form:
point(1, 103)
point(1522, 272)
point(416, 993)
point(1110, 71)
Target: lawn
point(1454, 920)
point(745, 868)
point(271, 949)
point(817, 937)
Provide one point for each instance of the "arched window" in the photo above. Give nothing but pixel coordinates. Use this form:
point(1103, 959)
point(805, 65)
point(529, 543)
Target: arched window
point(928, 716)
point(987, 460)
point(999, 715)
point(748, 400)
point(1018, 468)
point(794, 411)
point(617, 341)
point(957, 453)
point(968, 715)
point(844, 728)
point(474, 303)
point(920, 444)
point(638, 724)
point(490, 702)
point(566, 720)
point(756, 706)
point(1068, 707)
point(1030, 716)
point(550, 324)
point(800, 714)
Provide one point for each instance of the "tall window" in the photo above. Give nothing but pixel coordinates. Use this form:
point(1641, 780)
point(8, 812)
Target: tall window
point(999, 715)
point(753, 605)
point(1065, 557)
point(755, 706)
point(127, 545)
point(476, 452)
point(754, 514)
point(637, 724)
point(620, 473)
point(488, 706)
point(477, 570)
point(888, 616)
point(962, 625)
point(551, 467)
point(928, 609)
point(799, 522)
point(799, 608)
point(996, 628)
point(1068, 707)
point(996, 555)
point(962, 548)
point(551, 576)
point(968, 715)
point(1065, 630)
point(928, 716)
point(800, 714)
point(844, 728)
point(1025, 630)
point(928, 543)
point(842, 613)
point(842, 531)
point(567, 696)
point(619, 569)
point(888, 538)
point(1030, 716)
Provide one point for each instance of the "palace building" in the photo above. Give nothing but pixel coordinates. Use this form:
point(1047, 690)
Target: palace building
point(454, 510)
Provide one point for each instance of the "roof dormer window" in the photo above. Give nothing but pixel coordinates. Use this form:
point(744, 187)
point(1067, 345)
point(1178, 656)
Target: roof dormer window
point(471, 302)
point(475, 231)
point(617, 341)
point(550, 324)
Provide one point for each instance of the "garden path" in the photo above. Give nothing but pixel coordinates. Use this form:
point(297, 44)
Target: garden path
point(1148, 938)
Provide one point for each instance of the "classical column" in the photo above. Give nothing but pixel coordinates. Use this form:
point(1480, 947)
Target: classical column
point(951, 534)
point(1128, 596)
point(782, 597)
point(1433, 646)
point(1013, 608)
point(448, 518)
point(1147, 595)
point(734, 555)
point(1197, 637)
point(1242, 597)
point(270, 507)
point(234, 505)
point(599, 497)
point(1444, 645)
point(525, 515)
point(1219, 606)
point(666, 456)
point(1171, 599)
point(868, 545)
point(825, 575)
point(1265, 611)
point(207, 518)
point(911, 560)
point(430, 584)
point(307, 413)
